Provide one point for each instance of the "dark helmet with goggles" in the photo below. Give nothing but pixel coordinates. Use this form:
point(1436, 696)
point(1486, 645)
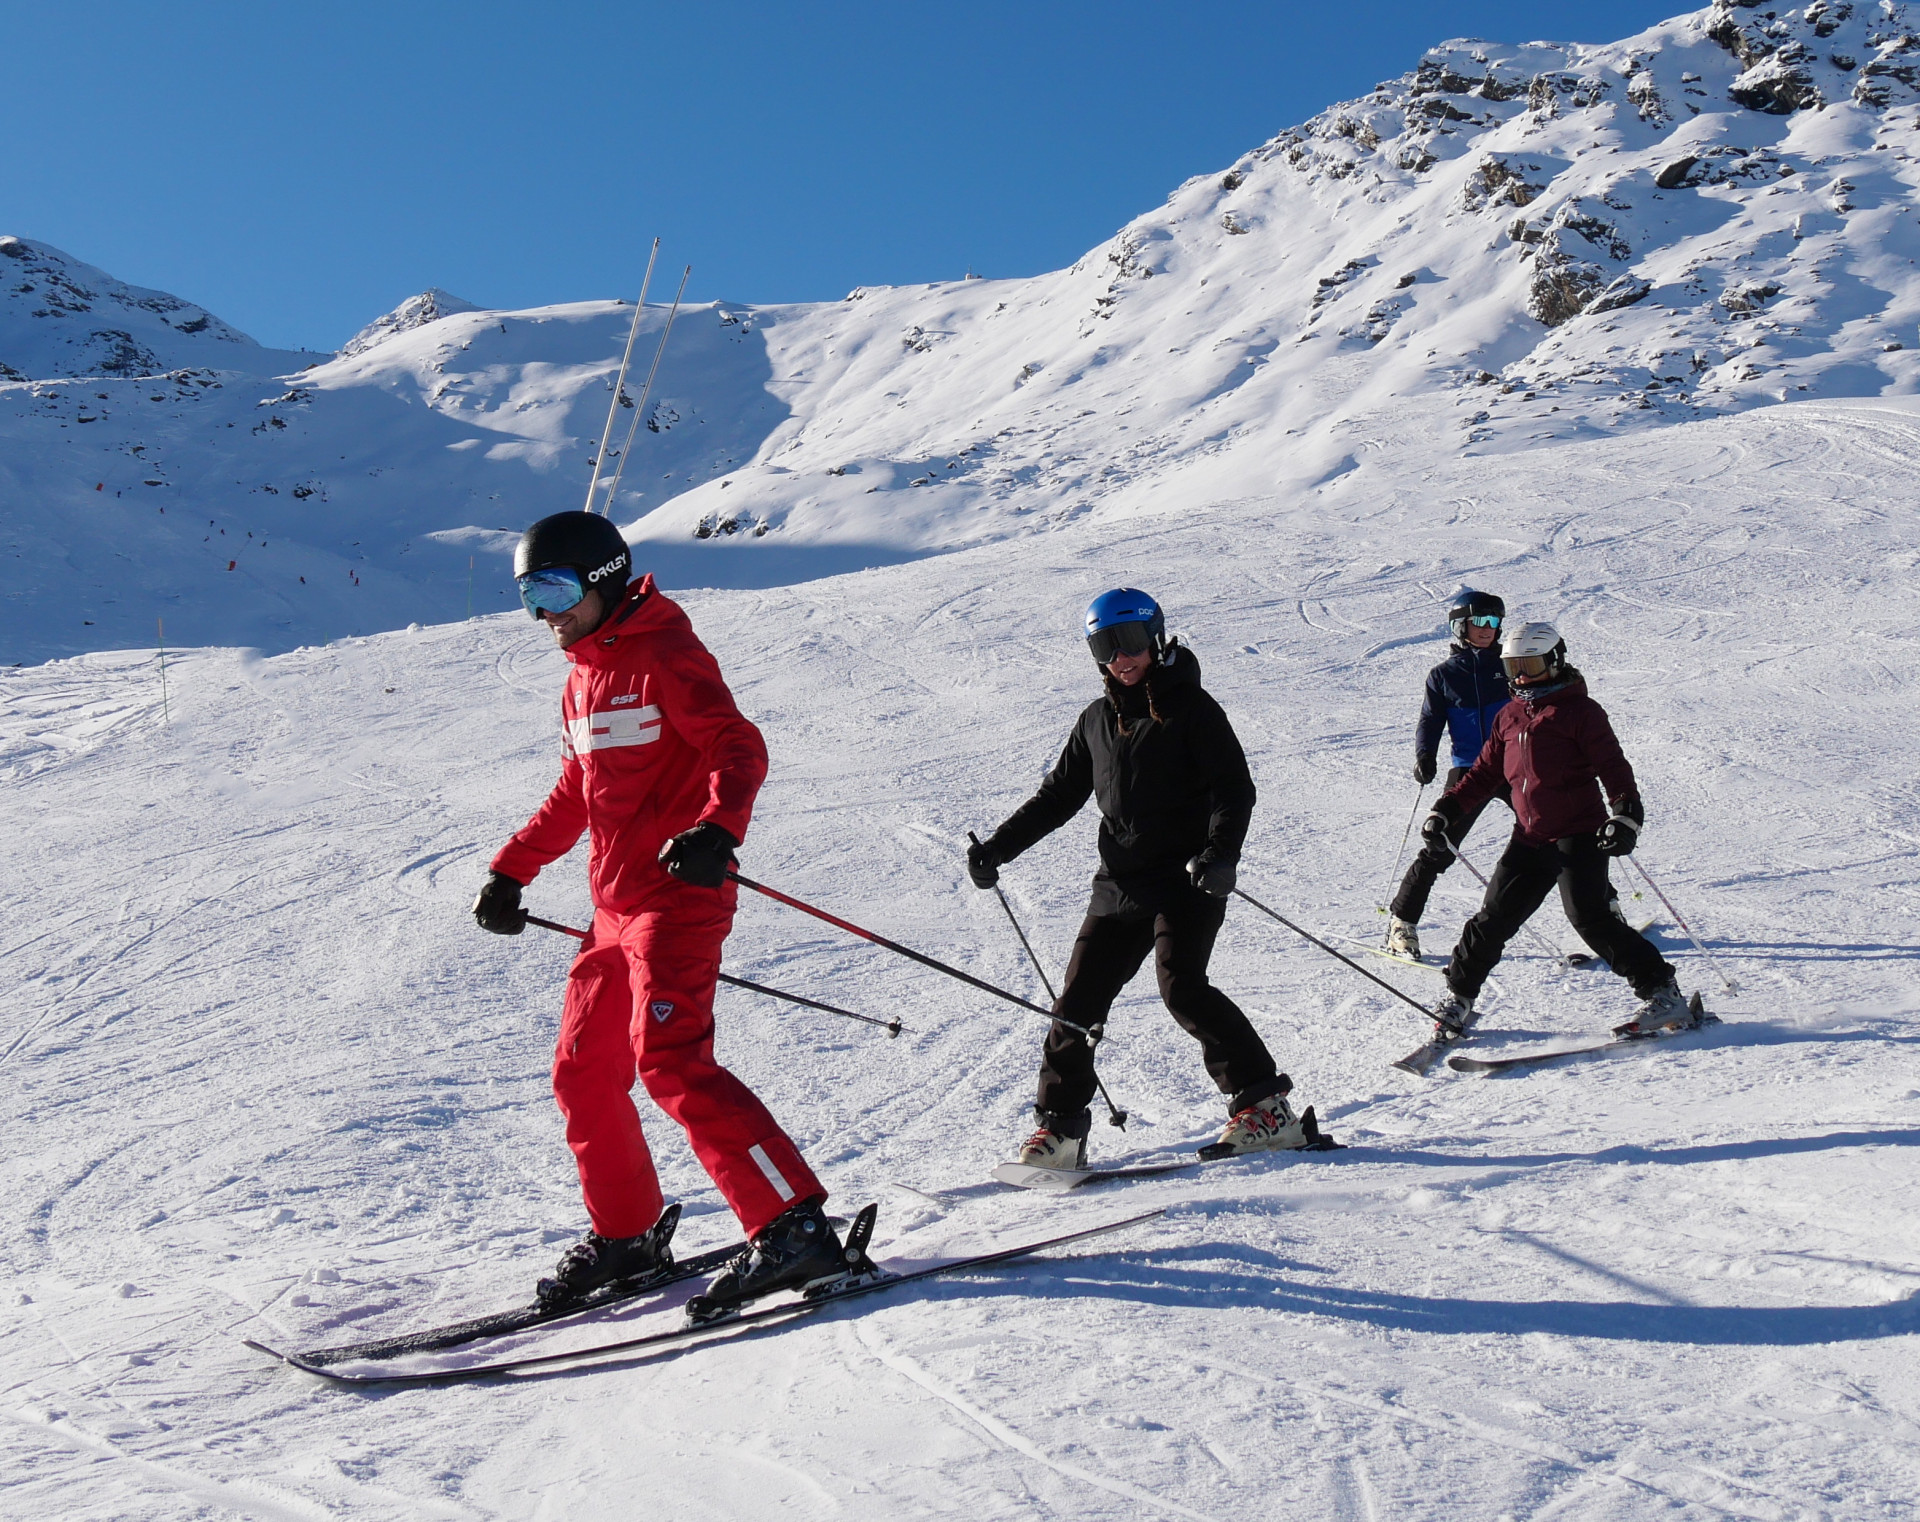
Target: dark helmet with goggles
point(561, 559)
point(1472, 608)
point(1125, 621)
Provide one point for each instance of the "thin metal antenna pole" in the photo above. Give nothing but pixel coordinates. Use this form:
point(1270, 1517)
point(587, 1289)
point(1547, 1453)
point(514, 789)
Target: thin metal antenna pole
point(640, 407)
point(619, 385)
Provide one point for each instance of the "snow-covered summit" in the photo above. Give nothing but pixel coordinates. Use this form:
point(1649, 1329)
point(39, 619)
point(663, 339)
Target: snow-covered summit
point(61, 317)
point(1507, 247)
point(415, 312)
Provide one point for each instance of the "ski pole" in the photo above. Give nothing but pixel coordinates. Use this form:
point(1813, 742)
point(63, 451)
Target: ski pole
point(908, 952)
point(1411, 1003)
point(1552, 951)
point(1115, 1115)
point(891, 1027)
point(1732, 987)
point(1405, 836)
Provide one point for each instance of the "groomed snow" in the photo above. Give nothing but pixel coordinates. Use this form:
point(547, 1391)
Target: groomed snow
point(263, 1077)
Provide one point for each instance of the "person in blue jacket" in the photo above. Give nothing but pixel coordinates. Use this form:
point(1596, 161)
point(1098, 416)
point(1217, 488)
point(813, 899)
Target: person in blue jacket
point(1464, 692)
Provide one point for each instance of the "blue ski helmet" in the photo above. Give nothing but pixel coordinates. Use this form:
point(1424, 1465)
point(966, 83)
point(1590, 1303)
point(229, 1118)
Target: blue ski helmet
point(1124, 621)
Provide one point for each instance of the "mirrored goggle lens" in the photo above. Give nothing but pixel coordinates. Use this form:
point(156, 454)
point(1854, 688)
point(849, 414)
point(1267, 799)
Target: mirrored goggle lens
point(1119, 639)
point(550, 591)
point(1485, 620)
point(1525, 665)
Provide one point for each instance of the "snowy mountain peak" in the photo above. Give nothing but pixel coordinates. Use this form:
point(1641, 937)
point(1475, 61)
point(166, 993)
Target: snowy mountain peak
point(415, 312)
point(61, 318)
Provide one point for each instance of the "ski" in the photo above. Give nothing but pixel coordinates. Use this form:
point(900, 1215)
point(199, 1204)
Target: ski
point(1423, 1058)
point(1624, 1037)
point(1390, 956)
point(520, 1318)
point(820, 1299)
point(1064, 1180)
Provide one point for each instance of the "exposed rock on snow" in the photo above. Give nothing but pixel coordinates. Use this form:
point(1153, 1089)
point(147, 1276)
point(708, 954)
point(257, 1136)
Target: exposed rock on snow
point(415, 312)
point(1586, 220)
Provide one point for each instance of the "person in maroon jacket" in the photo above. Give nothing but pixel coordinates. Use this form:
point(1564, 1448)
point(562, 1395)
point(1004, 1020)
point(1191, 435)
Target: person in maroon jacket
point(1554, 748)
point(659, 769)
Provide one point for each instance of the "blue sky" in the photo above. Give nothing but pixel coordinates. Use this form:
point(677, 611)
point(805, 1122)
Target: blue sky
point(301, 169)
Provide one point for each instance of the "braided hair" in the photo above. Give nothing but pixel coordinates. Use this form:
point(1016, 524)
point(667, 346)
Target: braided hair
point(1118, 695)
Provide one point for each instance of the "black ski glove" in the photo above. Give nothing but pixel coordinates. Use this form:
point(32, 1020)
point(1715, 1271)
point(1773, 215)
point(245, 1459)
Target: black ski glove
point(1621, 833)
point(498, 906)
point(984, 862)
point(1437, 828)
point(1423, 769)
point(700, 855)
point(1213, 875)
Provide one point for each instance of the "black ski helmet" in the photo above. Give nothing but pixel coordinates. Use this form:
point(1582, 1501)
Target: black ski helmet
point(583, 542)
point(1467, 604)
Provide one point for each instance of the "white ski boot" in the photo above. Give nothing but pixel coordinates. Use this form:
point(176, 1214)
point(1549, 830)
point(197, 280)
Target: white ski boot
point(1268, 1125)
point(1053, 1145)
point(1452, 1016)
point(1665, 1009)
point(1403, 939)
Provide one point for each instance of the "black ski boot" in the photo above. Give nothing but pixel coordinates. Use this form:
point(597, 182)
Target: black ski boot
point(793, 1251)
point(588, 1265)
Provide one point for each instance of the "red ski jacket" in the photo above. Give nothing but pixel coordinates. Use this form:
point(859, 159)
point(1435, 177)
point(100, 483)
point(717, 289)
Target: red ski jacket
point(1556, 751)
point(651, 744)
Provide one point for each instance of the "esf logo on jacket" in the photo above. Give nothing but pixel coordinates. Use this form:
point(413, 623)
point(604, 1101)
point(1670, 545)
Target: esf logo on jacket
point(614, 728)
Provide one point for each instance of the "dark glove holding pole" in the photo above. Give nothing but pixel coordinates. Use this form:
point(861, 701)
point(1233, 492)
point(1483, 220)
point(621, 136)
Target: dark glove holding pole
point(701, 855)
point(1424, 769)
point(1621, 833)
point(498, 906)
point(1437, 828)
point(983, 862)
point(1213, 875)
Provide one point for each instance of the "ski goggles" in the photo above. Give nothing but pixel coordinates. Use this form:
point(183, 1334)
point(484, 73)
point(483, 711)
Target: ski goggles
point(1119, 639)
point(551, 591)
point(1524, 665)
point(1485, 620)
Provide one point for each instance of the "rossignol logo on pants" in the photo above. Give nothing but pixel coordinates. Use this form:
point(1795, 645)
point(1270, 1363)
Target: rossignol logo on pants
point(662, 1009)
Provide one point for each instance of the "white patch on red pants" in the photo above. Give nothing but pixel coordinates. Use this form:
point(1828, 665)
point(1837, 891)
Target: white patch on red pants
point(780, 1186)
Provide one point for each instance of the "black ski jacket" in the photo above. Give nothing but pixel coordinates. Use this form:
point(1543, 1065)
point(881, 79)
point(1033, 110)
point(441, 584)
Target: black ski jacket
point(1167, 790)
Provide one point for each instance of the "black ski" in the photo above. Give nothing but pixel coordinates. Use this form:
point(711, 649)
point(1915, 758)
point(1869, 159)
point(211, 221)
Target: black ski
point(1624, 1038)
point(777, 1315)
point(519, 1319)
point(1422, 1059)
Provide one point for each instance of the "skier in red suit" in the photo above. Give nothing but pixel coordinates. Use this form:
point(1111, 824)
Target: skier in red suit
point(659, 769)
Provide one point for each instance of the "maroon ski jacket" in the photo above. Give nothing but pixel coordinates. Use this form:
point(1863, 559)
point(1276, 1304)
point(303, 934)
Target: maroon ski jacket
point(1556, 750)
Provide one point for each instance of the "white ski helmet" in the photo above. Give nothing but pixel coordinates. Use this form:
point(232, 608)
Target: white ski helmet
point(1532, 653)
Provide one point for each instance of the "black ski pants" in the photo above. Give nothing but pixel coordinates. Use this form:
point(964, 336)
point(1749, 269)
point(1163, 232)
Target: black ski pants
point(1425, 869)
point(1106, 955)
point(1521, 880)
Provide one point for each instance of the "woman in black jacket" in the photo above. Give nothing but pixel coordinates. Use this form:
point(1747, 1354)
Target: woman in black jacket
point(1175, 797)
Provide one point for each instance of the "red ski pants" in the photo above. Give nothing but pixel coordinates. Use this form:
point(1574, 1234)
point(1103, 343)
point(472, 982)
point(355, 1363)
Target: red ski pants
point(640, 1003)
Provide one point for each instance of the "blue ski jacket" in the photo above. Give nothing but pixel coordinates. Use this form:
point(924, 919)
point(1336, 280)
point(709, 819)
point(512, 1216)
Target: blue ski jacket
point(1464, 692)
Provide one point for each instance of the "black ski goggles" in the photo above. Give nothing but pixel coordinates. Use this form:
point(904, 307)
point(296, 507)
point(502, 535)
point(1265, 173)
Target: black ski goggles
point(550, 591)
point(1119, 639)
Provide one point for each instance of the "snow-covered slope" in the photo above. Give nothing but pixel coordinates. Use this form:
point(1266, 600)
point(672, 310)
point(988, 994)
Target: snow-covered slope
point(1506, 248)
point(262, 1075)
point(60, 317)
